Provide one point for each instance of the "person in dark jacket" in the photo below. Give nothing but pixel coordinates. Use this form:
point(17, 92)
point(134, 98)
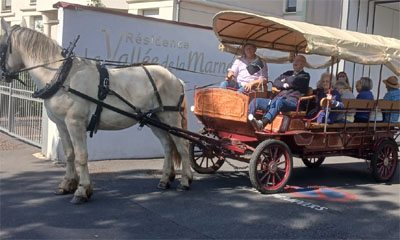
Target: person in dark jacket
point(291, 86)
point(363, 86)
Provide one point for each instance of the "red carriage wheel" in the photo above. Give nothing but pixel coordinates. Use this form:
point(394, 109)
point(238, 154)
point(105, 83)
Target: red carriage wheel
point(204, 160)
point(270, 166)
point(384, 161)
point(313, 162)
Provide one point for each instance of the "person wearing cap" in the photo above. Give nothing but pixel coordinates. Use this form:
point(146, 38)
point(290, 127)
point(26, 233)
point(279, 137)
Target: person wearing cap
point(393, 94)
point(291, 86)
point(247, 71)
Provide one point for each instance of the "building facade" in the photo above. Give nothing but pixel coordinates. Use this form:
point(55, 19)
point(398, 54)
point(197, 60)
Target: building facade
point(358, 15)
point(368, 16)
point(41, 15)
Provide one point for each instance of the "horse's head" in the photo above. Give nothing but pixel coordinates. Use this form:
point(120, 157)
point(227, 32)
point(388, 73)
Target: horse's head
point(10, 60)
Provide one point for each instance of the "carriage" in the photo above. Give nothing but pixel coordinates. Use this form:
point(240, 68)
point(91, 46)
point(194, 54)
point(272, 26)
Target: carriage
point(80, 94)
point(270, 152)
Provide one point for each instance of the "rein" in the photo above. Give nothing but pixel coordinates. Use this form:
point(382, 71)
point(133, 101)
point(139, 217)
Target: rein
point(120, 64)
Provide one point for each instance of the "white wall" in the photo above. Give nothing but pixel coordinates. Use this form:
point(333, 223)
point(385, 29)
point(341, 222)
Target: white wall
point(126, 36)
point(123, 34)
point(385, 22)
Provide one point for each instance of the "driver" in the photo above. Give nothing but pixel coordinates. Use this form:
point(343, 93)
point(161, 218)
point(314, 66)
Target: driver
point(248, 70)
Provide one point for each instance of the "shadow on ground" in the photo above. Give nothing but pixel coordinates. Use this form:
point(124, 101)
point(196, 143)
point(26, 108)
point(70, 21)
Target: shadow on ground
point(126, 204)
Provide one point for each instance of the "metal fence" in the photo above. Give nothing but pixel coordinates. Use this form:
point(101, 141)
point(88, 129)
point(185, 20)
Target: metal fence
point(20, 114)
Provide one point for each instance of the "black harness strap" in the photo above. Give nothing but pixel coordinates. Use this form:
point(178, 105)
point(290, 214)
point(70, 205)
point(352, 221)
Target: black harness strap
point(160, 104)
point(104, 89)
point(59, 78)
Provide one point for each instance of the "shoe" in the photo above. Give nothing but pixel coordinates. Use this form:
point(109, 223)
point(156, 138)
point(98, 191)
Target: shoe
point(257, 124)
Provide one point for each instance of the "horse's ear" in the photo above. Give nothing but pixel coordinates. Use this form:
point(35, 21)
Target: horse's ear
point(5, 27)
point(23, 23)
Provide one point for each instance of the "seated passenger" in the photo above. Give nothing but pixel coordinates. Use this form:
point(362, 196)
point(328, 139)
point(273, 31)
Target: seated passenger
point(345, 93)
point(292, 85)
point(247, 71)
point(333, 96)
point(393, 94)
point(342, 77)
point(363, 87)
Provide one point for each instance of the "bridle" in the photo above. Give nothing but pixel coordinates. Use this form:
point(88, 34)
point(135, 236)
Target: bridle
point(4, 49)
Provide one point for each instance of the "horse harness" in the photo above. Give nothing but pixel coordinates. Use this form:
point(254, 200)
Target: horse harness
point(51, 88)
point(104, 90)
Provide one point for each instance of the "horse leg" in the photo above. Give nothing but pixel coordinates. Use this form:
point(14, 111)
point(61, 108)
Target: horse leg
point(168, 168)
point(182, 146)
point(77, 131)
point(70, 181)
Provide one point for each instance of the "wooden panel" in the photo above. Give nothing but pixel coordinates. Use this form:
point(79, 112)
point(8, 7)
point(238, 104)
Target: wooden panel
point(358, 103)
point(279, 124)
point(352, 125)
point(221, 104)
point(388, 105)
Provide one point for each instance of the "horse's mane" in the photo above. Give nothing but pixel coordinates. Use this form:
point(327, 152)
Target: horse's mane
point(35, 44)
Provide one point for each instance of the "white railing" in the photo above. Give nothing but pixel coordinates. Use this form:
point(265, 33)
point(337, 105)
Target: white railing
point(20, 114)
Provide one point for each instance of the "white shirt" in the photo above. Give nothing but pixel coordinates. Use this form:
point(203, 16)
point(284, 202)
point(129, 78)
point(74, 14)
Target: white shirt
point(241, 73)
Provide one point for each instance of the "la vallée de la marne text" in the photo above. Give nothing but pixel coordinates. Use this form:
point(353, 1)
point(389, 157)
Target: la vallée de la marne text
point(141, 51)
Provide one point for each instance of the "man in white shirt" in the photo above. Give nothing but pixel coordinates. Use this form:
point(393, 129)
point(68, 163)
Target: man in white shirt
point(247, 71)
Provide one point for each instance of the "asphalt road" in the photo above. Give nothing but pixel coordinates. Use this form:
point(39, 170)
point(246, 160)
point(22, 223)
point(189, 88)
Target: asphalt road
point(337, 201)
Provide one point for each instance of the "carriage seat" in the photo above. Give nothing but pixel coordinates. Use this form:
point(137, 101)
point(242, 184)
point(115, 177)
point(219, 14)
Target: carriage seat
point(360, 105)
point(302, 109)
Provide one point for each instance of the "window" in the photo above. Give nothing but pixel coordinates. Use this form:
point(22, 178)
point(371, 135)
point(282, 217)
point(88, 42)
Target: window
point(37, 23)
point(6, 5)
point(150, 12)
point(291, 5)
point(32, 2)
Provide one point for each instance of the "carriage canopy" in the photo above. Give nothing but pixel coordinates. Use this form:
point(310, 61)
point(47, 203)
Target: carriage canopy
point(235, 27)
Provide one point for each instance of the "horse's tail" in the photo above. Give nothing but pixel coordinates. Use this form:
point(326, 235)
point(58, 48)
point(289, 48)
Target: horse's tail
point(184, 122)
point(184, 114)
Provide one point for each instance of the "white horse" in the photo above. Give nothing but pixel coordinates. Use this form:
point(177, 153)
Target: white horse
point(24, 48)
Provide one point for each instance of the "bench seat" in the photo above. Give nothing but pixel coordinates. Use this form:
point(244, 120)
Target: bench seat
point(315, 125)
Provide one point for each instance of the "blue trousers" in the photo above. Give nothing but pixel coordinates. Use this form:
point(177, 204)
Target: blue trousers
point(233, 85)
point(272, 107)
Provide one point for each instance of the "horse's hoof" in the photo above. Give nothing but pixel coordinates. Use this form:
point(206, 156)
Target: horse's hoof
point(79, 200)
point(182, 188)
point(163, 185)
point(61, 191)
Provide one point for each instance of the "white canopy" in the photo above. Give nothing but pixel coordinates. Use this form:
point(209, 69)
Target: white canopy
point(235, 27)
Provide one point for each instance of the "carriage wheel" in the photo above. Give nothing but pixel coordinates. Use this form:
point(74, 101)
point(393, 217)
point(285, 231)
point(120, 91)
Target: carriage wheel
point(204, 160)
point(270, 166)
point(384, 161)
point(313, 162)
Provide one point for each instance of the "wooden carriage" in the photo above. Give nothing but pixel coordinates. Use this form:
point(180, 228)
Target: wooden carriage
point(270, 152)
